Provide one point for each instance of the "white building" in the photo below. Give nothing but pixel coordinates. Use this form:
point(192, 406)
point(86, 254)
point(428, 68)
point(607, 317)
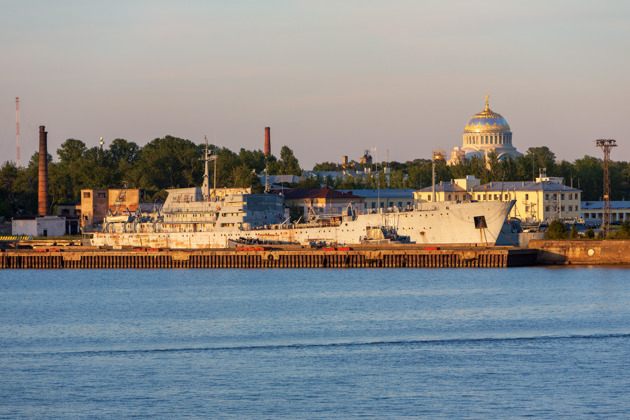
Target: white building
point(39, 226)
point(593, 211)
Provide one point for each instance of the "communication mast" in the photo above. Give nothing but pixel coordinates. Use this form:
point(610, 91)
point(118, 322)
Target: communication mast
point(606, 145)
point(17, 128)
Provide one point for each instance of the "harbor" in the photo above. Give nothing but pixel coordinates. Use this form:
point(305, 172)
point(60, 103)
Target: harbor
point(269, 257)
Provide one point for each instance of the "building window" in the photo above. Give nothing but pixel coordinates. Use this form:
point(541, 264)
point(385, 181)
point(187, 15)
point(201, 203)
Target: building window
point(570, 196)
point(478, 197)
point(547, 208)
point(546, 196)
point(100, 195)
point(86, 194)
point(526, 196)
point(496, 197)
point(449, 197)
point(561, 196)
point(561, 208)
point(400, 204)
point(555, 196)
point(570, 208)
point(373, 205)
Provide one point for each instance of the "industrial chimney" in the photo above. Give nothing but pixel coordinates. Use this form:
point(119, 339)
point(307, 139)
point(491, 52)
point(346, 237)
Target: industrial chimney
point(267, 141)
point(42, 208)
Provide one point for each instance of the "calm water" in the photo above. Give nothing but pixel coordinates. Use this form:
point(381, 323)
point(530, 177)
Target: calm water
point(460, 343)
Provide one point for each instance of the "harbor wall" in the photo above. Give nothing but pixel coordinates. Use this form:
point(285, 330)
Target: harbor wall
point(274, 258)
point(582, 252)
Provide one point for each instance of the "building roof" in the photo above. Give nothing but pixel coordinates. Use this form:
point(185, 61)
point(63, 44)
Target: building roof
point(487, 121)
point(297, 193)
point(281, 179)
point(599, 205)
point(524, 186)
point(385, 193)
point(444, 187)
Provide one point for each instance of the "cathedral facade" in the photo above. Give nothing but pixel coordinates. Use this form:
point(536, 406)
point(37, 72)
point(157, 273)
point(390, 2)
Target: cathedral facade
point(485, 132)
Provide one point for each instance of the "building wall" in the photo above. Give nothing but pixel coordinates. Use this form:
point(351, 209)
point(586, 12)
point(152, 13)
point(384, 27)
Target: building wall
point(95, 203)
point(40, 226)
point(325, 206)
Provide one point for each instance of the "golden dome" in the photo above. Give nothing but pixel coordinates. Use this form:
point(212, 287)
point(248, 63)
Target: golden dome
point(487, 121)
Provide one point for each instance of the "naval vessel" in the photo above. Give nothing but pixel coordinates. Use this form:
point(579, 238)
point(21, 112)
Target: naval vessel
point(205, 217)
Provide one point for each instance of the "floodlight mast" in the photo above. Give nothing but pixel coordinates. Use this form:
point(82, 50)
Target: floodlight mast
point(606, 145)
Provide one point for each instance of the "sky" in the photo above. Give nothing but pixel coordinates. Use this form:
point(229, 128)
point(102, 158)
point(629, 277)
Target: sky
point(330, 77)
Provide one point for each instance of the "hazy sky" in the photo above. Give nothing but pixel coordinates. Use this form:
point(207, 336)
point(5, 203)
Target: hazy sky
point(330, 77)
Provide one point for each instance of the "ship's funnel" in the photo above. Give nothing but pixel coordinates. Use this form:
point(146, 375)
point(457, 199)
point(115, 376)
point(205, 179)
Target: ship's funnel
point(42, 196)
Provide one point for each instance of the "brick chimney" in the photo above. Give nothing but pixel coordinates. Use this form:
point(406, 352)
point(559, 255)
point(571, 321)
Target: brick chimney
point(42, 196)
point(267, 141)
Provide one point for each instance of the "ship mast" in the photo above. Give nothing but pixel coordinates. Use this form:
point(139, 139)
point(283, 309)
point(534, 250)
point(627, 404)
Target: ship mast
point(209, 156)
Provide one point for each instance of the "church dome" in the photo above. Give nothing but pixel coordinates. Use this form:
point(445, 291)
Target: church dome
point(487, 121)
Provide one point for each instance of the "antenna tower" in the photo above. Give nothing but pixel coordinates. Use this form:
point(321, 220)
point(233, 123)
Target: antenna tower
point(606, 145)
point(17, 128)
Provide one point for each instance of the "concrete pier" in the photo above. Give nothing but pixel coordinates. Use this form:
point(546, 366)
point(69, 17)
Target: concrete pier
point(48, 258)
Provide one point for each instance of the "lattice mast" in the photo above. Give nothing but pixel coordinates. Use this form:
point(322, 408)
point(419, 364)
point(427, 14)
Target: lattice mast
point(17, 128)
point(606, 145)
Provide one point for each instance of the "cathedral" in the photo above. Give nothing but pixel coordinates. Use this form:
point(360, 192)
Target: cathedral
point(486, 131)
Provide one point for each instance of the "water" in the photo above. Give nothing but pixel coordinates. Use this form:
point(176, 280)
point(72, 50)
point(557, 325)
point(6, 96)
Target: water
point(454, 343)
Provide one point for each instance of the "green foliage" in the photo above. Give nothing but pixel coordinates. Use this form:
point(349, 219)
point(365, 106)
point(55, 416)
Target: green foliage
point(574, 232)
point(590, 233)
point(295, 213)
point(622, 233)
point(287, 165)
point(556, 230)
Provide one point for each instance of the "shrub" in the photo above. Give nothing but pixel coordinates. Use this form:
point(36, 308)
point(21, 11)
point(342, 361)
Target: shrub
point(556, 230)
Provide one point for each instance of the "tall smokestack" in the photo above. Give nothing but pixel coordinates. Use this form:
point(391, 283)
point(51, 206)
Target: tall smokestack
point(267, 141)
point(42, 208)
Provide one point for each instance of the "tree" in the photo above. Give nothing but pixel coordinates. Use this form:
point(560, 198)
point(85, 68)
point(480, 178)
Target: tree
point(542, 157)
point(244, 177)
point(9, 194)
point(170, 162)
point(289, 162)
point(556, 230)
point(590, 175)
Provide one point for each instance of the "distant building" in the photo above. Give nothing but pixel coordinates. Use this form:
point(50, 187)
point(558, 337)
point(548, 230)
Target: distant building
point(385, 199)
point(346, 175)
point(38, 226)
point(545, 199)
point(320, 201)
point(485, 132)
point(593, 211)
point(456, 190)
point(71, 211)
point(96, 203)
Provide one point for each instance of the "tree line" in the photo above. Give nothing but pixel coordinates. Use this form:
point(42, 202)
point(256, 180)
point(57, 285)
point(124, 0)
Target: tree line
point(172, 162)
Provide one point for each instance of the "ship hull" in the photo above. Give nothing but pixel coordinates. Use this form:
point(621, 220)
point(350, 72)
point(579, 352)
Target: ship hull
point(475, 223)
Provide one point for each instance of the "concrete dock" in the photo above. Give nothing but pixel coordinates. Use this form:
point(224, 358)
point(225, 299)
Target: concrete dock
point(268, 257)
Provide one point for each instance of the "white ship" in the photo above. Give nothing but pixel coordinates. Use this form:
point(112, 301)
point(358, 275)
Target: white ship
point(193, 218)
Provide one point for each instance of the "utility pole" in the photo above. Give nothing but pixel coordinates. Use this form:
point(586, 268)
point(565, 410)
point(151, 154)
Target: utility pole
point(606, 145)
point(17, 128)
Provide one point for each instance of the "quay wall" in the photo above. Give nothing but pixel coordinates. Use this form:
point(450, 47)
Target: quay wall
point(582, 252)
point(275, 258)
